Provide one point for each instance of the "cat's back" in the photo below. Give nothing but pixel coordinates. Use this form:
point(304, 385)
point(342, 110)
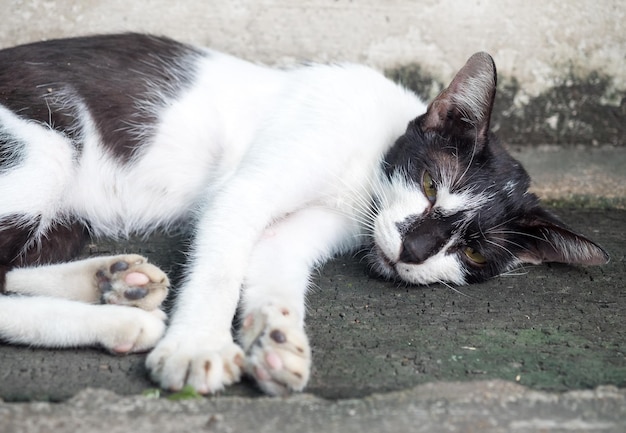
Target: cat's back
point(150, 120)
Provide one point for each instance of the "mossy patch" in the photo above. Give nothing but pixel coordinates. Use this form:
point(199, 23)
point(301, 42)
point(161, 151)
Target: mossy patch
point(581, 201)
point(542, 358)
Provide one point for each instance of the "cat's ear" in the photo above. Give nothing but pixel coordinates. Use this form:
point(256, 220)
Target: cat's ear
point(545, 238)
point(464, 108)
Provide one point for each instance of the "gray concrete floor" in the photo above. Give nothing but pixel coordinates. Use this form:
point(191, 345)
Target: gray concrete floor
point(542, 350)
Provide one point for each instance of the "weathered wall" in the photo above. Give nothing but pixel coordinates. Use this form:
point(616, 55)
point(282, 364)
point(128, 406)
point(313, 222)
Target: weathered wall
point(561, 63)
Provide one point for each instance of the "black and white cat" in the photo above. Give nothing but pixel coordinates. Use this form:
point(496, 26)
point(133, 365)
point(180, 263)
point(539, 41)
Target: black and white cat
point(278, 170)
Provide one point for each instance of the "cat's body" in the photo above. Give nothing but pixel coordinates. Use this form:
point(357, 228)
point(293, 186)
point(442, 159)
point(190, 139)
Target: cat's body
point(278, 171)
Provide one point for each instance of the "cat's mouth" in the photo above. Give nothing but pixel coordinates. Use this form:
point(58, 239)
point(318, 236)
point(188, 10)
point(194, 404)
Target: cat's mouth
point(438, 268)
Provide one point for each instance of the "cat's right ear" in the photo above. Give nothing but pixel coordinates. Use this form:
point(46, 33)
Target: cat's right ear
point(464, 108)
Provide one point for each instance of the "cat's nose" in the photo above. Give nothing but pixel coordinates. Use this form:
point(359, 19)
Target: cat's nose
point(418, 247)
point(426, 238)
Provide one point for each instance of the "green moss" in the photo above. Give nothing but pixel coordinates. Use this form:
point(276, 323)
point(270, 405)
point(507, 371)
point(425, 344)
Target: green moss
point(544, 358)
point(187, 393)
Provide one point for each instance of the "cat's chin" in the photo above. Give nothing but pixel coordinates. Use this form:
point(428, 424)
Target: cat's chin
point(381, 266)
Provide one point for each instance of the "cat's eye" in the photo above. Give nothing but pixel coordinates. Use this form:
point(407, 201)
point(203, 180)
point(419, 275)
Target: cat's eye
point(429, 187)
point(474, 256)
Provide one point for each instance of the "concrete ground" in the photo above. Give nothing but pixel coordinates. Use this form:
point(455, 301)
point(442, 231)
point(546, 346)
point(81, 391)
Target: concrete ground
point(542, 349)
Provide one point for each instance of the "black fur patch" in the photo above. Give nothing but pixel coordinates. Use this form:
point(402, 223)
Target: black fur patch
point(114, 76)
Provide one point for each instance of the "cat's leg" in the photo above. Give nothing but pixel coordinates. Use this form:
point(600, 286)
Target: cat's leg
point(199, 349)
point(56, 323)
point(126, 279)
point(42, 320)
point(272, 332)
point(45, 321)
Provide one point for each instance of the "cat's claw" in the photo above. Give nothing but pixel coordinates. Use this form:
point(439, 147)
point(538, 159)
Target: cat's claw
point(130, 280)
point(176, 363)
point(278, 355)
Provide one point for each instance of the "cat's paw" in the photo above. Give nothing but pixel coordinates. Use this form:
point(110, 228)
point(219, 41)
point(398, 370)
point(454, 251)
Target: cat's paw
point(207, 368)
point(130, 280)
point(131, 330)
point(278, 355)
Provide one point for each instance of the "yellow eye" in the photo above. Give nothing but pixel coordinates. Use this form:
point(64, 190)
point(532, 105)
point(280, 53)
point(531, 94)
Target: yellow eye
point(430, 189)
point(474, 256)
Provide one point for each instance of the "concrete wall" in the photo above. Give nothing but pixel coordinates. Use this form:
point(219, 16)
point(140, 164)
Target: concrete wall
point(561, 63)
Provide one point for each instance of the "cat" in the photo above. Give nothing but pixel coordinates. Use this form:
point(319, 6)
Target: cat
point(276, 170)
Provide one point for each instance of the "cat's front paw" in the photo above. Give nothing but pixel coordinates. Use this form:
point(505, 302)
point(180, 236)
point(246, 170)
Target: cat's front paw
point(278, 355)
point(130, 280)
point(208, 368)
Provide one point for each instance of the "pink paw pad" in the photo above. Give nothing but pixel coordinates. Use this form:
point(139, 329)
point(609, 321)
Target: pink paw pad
point(136, 279)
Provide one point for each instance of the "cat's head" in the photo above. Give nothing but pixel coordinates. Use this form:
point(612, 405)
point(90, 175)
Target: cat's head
point(454, 206)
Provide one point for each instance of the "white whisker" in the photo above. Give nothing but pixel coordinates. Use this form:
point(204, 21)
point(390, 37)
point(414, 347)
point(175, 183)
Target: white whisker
point(449, 286)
